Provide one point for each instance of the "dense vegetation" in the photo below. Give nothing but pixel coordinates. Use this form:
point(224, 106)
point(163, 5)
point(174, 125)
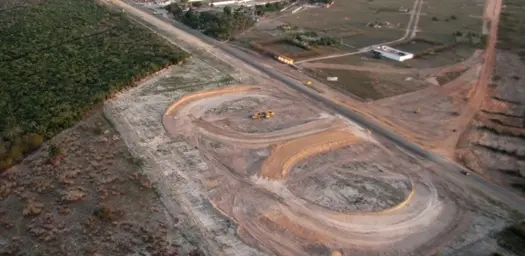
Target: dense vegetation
point(260, 10)
point(511, 31)
point(321, 1)
point(220, 25)
point(60, 58)
point(513, 239)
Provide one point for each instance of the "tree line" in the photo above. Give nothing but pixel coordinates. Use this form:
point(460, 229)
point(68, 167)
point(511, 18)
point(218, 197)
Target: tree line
point(220, 25)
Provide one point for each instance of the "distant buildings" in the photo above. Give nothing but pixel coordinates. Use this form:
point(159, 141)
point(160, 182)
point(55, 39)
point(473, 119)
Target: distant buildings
point(228, 2)
point(391, 53)
point(242, 2)
point(319, 4)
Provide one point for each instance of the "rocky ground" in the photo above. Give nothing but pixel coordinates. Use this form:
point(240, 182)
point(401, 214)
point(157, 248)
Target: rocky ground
point(90, 198)
point(495, 144)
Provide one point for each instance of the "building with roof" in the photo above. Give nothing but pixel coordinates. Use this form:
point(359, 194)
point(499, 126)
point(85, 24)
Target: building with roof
point(391, 53)
point(228, 2)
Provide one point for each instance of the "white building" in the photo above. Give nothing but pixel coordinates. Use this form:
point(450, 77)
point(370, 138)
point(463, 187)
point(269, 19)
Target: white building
point(391, 53)
point(228, 2)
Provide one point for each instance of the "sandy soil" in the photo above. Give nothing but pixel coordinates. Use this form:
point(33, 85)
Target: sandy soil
point(287, 211)
point(284, 156)
point(208, 163)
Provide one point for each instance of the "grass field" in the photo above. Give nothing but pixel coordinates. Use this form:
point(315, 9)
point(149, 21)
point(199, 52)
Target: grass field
point(440, 19)
point(414, 46)
point(59, 58)
point(366, 85)
point(285, 48)
point(442, 58)
point(347, 17)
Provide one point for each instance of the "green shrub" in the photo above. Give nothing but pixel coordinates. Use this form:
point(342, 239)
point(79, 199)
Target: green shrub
point(54, 151)
point(32, 141)
point(5, 163)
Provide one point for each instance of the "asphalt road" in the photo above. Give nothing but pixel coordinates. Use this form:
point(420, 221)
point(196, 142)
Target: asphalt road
point(449, 168)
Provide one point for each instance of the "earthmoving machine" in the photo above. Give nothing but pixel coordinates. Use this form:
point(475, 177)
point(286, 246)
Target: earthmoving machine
point(308, 83)
point(260, 115)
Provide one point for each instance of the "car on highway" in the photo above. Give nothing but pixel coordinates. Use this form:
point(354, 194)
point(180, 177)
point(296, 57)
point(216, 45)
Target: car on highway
point(465, 173)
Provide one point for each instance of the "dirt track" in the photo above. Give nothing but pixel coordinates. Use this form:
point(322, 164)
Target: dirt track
point(248, 180)
point(284, 156)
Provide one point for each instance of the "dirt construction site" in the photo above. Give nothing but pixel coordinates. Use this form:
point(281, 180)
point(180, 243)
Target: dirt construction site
point(301, 183)
point(304, 181)
point(252, 167)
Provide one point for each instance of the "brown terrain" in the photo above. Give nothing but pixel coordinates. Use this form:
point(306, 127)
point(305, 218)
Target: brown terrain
point(494, 144)
point(326, 189)
point(436, 116)
point(91, 199)
point(304, 182)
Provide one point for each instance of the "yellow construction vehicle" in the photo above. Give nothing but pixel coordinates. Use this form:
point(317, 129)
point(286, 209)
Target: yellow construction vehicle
point(256, 116)
point(260, 115)
point(308, 83)
point(268, 114)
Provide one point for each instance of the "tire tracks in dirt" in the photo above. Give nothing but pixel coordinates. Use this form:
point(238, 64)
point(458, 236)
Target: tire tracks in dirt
point(282, 222)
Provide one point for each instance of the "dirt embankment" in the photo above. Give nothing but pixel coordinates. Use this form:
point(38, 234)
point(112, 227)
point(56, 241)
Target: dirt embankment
point(495, 144)
point(286, 155)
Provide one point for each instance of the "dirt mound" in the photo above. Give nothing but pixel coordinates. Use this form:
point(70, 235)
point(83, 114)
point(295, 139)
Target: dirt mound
point(285, 156)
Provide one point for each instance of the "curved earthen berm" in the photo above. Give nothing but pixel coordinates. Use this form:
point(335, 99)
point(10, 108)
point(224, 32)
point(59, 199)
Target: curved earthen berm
point(257, 194)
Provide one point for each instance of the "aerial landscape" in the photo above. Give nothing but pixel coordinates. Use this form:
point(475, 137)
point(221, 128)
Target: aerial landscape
point(262, 127)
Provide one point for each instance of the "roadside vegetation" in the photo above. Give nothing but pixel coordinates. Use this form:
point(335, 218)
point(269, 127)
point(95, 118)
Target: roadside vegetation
point(220, 25)
point(307, 40)
point(260, 10)
point(59, 59)
point(321, 1)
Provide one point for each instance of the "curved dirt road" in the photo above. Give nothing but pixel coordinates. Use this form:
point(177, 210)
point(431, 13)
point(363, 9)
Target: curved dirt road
point(272, 217)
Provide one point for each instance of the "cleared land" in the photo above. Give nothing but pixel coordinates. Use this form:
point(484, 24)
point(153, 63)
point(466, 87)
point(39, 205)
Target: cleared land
point(277, 192)
point(60, 58)
point(493, 146)
point(210, 161)
point(206, 157)
point(93, 199)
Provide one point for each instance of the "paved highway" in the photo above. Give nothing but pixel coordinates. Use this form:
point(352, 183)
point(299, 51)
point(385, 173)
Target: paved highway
point(449, 168)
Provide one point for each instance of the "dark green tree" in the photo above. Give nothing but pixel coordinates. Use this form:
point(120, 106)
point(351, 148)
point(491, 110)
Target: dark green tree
point(227, 10)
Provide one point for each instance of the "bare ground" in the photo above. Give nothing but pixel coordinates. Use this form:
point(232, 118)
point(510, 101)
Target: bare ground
point(213, 172)
point(434, 116)
point(274, 192)
point(495, 144)
point(93, 200)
